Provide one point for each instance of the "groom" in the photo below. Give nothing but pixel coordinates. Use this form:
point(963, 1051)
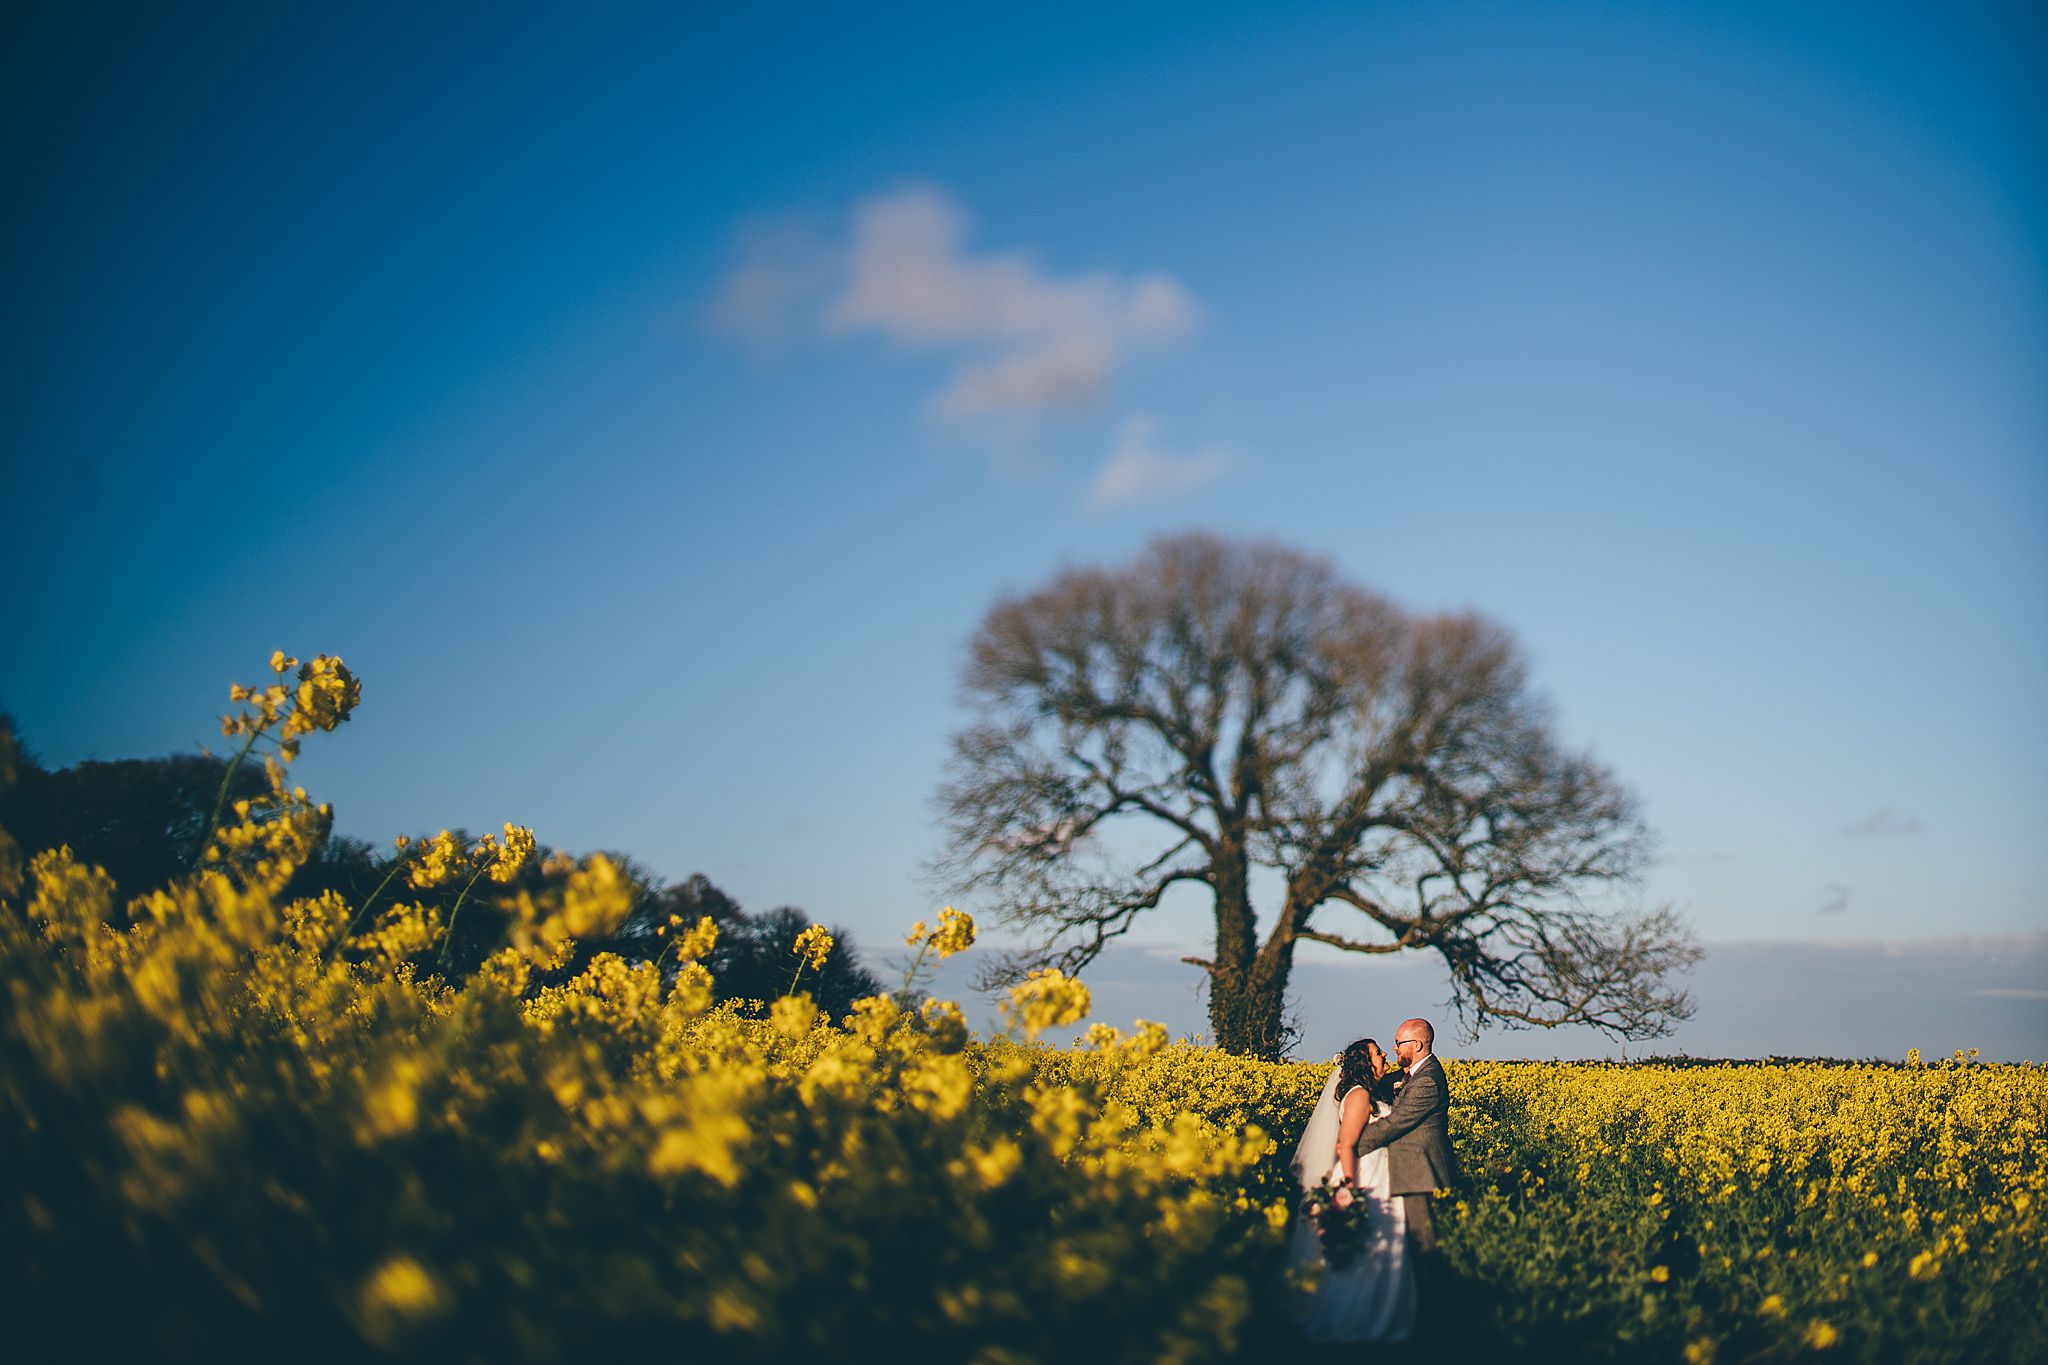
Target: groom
point(1416, 1133)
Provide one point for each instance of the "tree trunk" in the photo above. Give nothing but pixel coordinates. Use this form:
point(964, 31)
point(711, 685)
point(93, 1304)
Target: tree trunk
point(1248, 989)
point(1252, 1022)
point(1248, 1010)
point(1233, 973)
point(1248, 1007)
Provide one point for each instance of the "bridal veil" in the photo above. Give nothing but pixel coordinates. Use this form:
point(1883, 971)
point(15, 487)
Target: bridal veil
point(1318, 1145)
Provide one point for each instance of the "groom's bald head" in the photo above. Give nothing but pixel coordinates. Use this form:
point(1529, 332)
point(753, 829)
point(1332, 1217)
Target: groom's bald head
point(1416, 1031)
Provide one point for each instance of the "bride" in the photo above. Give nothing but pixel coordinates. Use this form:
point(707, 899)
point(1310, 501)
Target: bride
point(1373, 1297)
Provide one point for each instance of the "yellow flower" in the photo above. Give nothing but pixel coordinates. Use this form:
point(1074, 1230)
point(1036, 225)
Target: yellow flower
point(398, 1291)
point(517, 852)
point(1101, 1037)
point(326, 695)
point(1772, 1307)
point(955, 933)
point(1660, 1274)
point(440, 862)
point(1821, 1334)
point(938, 1085)
point(794, 1015)
point(1048, 998)
point(592, 900)
point(692, 991)
point(1147, 1039)
point(391, 1108)
point(699, 941)
point(873, 1017)
point(946, 1025)
point(732, 1310)
point(814, 945)
point(994, 1164)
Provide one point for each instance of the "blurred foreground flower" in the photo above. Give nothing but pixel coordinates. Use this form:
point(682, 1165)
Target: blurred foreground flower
point(1048, 998)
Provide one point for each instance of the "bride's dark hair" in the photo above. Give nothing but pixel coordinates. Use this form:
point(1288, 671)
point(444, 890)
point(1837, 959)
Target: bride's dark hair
point(1356, 1069)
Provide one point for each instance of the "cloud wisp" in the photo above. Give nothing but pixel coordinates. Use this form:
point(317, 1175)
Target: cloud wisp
point(780, 270)
point(1139, 471)
point(1024, 343)
point(1035, 343)
point(1886, 823)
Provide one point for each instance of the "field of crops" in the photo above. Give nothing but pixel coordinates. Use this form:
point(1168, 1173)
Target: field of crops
point(248, 1127)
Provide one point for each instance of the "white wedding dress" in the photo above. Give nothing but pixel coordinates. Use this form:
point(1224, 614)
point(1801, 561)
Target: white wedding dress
point(1373, 1298)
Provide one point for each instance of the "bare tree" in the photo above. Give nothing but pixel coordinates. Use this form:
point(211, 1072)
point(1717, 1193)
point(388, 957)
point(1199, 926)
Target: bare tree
point(1215, 710)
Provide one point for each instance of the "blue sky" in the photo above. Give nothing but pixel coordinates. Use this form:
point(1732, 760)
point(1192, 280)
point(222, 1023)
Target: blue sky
point(649, 405)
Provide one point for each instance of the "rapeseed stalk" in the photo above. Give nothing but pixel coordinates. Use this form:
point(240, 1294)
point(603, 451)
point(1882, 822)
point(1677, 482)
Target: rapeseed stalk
point(812, 947)
point(955, 934)
point(326, 695)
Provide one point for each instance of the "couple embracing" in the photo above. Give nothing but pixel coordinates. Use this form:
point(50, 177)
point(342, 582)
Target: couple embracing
point(1376, 1147)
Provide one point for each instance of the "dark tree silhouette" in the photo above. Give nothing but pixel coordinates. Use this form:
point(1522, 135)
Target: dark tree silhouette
point(142, 819)
point(1215, 711)
point(689, 900)
point(145, 821)
point(755, 956)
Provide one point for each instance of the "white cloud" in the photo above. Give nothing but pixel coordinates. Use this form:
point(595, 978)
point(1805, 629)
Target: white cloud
point(1039, 343)
point(1138, 471)
point(781, 268)
point(1026, 343)
point(1070, 374)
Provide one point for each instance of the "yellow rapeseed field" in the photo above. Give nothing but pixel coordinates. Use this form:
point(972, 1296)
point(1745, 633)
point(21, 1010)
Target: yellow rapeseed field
point(238, 1125)
point(1750, 1211)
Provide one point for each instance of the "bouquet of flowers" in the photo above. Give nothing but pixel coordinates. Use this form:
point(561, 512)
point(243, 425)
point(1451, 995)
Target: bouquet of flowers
point(1339, 1213)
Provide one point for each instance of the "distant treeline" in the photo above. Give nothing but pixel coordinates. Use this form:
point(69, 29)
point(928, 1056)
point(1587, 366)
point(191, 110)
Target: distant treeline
point(145, 821)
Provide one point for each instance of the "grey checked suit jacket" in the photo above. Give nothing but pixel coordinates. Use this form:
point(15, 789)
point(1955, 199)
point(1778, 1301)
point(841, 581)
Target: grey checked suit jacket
point(1416, 1133)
